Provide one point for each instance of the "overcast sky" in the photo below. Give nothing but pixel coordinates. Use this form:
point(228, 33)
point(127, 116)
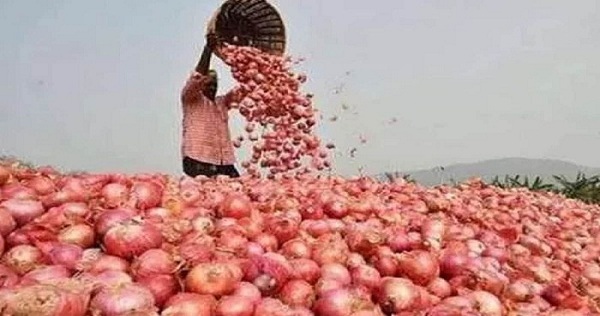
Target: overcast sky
point(94, 85)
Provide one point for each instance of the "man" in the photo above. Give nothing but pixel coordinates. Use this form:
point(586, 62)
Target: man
point(206, 143)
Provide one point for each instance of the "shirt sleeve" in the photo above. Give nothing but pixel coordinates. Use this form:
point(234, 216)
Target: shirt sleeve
point(194, 87)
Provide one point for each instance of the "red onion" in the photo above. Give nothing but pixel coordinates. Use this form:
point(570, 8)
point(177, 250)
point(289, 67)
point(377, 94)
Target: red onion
point(247, 290)
point(440, 288)
point(122, 299)
point(453, 264)
point(419, 266)
point(23, 258)
point(115, 195)
point(111, 279)
point(23, 211)
point(267, 241)
point(7, 222)
point(487, 304)
point(18, 191)
point(146, 195)
point(296, 248)
point(108, 263)
point(46, 273)
point(271, 307)
point(131, 239)
point(203, 225)
point(254, 249)
point(162, 286)
point(81, 235)
point(65, 254)
point(235, 306)
point(298, 293)
point(47, 300)
point(153, 262)
point(8, 277)
point(111, 218)
point(190, 304)
point(337, 272)
point(395, 295)
point(211, 278)
point(325, 285)
point(365, 275)
point(305, 269)
point(41, 185)
point(75, 209)
point(235, 206)
point(341, 302)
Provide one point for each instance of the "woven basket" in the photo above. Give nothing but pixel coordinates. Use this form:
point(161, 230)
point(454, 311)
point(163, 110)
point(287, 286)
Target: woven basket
point(253, 23)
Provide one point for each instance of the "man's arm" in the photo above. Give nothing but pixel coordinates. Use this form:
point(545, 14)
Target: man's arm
point(204, 62)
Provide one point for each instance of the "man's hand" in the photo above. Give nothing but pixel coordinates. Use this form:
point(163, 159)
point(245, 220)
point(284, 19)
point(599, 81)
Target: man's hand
point(212, 40)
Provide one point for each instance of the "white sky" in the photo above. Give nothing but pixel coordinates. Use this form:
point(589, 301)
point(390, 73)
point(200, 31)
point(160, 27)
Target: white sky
point(94, 85)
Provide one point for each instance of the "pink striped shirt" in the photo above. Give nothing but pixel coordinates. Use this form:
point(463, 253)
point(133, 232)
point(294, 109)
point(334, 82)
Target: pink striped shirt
point(206, 135)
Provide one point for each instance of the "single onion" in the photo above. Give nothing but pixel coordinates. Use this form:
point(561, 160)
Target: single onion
point(305, 269)
point(419, 266)
point(146, 195)
point(41, 185)
point(190, 304)
point(23, 258)
point(110, 218)
point(341, 302)
point(108, 263)
point(122, 299)
point(235, 206)
point(115, 195)
point(81, 235)
point(65, 254)
point(271, 307)
point(75, 209)
point(162, 286)
point(365, 275)
point(111, 279)
point(131, 239)
point(298, 293)
point(440, 288)
point(337, 272)
point(395, 295)
point(45, 273)
point(211, 278)
point(23, 211)
point(247, 290)
point(7, 222)
point(487, 304)
point(296, 248)
point(153, 262)
point(235, 306)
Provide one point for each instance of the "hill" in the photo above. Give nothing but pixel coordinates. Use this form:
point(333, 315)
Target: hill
point(488, 169)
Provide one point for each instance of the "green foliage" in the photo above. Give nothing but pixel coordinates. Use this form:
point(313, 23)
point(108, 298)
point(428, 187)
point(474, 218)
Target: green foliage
point(583, 188)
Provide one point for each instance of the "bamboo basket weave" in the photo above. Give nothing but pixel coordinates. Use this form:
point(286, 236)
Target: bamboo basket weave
point(253, 23)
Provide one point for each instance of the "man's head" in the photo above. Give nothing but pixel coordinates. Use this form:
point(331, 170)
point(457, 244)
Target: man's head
point(211, 86)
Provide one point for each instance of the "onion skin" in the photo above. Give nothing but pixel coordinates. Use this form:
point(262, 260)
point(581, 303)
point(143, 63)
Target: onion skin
point(7, 222)
point(298, 293)
point(46, 273)
point(153, 262)
point(80, 235)
point(23, 258)
point(190, 304)
point(235, 306)
point(131, 239)
point(396, 295)
point(8, 278)
point(162, 287)
point(211, 279)
point(47, 299)
point(120, 300)
point(23, 211)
